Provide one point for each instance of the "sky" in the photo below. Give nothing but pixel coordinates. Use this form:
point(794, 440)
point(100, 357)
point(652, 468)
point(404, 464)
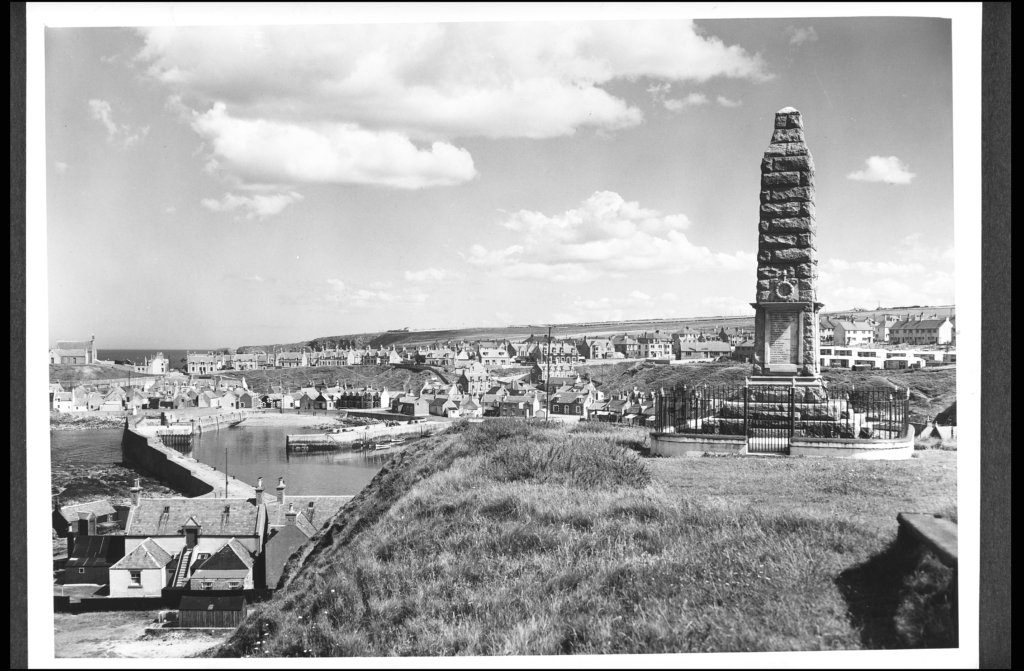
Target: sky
point(223, 186)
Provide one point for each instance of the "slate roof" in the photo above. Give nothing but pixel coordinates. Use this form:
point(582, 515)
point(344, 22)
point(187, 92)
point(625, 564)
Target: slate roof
point(97, 508)
point(147, 555)
point(232, 556)
point(96, 551)
point(69, 352)
point(218, 517)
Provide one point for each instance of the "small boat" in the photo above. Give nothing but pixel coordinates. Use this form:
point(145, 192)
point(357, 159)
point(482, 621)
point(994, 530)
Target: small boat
point(397, 441)
point(383, 446)
point(236, 423)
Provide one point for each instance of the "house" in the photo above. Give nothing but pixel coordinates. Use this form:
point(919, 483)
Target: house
point(626, 346)
point(66, 518)
point(211, 612)
point(826, 330)
point(594, 348)
point(291, 360)
point(158, 365)
point(90, 559)
point(142, 572)
point(436, 405)
point(74, 352)
point(413, 406)
point(744, 351)
point(468, 407)
point(202, 364)
point(919, 331)
point(568, 403)
point(472, 381)
point(248, 399)
point(709, 350)
point(882, 329)
point(495, 357)
point(654, 346)
point(228, 568)
point(519, 406)
point(853, 333)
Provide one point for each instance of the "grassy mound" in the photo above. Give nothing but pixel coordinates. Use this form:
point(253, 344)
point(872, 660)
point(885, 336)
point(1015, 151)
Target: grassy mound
point(512, 538)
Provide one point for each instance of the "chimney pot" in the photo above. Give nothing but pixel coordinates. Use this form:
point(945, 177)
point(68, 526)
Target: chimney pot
point(280, 491)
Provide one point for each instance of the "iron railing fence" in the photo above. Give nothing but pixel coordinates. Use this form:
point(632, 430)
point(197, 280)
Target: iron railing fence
point(783, 411)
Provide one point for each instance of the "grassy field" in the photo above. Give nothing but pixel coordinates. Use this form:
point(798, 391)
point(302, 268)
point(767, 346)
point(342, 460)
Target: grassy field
point(91, 373)
point(509, 538)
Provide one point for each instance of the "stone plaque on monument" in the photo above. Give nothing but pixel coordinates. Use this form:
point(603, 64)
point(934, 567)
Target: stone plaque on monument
point(783, 346)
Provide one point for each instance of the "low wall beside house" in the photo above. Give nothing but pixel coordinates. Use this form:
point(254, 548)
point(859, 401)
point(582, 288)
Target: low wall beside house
point(696, 444)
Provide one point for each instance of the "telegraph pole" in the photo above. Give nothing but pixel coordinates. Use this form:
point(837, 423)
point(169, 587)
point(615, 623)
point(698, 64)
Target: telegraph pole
point(547, 383)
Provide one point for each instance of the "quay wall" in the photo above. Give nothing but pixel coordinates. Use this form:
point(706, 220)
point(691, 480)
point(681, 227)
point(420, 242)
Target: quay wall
point(142, 448)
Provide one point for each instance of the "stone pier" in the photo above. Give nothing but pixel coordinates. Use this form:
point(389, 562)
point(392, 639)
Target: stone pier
point(786, 310)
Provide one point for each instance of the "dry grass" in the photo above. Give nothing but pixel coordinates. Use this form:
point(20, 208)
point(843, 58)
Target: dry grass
point(509, 538)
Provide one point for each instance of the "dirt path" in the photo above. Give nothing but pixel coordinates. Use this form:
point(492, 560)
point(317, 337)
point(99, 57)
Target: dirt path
point(122, 634)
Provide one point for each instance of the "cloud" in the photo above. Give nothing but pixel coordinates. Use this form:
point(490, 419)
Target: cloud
point(605, 236)
point(890, 170)
point(677, 104)
point(430, 275)
point(798, 36)
point(60, 167)
point(101, 111)
point(272, 152)
point(353, 297)
point(439, 81)
point(926, 281)
point(170, 209)
point(252, 207)
point(725, 102)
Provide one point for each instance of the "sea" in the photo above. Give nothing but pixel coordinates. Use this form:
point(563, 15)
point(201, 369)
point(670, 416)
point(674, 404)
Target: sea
point(250, 452)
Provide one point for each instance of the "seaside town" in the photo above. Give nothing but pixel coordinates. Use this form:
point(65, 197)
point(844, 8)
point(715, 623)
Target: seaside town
point(489, 378)
point(558, 467)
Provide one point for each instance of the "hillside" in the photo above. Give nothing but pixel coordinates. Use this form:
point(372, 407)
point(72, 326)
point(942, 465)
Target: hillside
point(514, 538)
point(593, 329)
point(90, 372)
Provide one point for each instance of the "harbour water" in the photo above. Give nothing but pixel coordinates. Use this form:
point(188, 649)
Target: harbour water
point(252, 452)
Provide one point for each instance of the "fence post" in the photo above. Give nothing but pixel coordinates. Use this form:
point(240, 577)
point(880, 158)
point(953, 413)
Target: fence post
point(791, 413)
point(746, 405)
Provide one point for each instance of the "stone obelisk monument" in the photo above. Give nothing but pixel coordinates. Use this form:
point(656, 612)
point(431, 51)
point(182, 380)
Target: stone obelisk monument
point(786, 320)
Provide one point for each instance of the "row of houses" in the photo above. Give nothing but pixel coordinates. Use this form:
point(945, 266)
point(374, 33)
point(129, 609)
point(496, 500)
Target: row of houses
point(154, 394)
point(889, 329)
point(189, 545)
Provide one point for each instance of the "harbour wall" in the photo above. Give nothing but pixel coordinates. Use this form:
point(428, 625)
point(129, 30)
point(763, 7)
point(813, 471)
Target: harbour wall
point(142, 448)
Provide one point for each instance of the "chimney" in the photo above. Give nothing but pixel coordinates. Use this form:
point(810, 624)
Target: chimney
point(310, 509)
point(280, 491)
point(86, 524)
point(289, 516)
point(136, 493)
point(259, 491)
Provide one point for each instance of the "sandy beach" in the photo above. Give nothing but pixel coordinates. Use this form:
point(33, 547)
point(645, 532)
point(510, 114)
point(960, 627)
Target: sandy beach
point(272, 418)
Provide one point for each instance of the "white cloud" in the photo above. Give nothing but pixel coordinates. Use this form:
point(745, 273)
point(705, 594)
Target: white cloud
point(252, 207)
point(725, 102)
point(890, 170)
point(350, 297)
point(847, 284)
point(60, 167)
point(438, 81)
point(678, 104)
point(430, 275)
point(103, 112)
point(798, 36)
point(605, 236)
point(170, 209)
point(272, 152)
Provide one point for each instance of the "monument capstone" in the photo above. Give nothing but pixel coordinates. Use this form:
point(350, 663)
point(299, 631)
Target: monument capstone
point(786, 310)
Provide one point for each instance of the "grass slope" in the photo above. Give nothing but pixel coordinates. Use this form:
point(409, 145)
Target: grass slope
point(90, 373)
point(511, 538)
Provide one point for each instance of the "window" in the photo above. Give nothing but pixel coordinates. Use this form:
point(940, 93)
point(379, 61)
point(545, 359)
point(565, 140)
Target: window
point(234, 584)
point(206, 584)
point(81, 571)
point(135, 578)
